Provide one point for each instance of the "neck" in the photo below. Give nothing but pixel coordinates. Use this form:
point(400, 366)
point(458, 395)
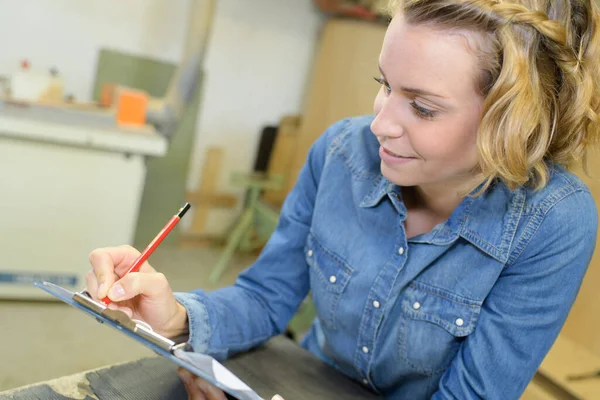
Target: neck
point(439, 199)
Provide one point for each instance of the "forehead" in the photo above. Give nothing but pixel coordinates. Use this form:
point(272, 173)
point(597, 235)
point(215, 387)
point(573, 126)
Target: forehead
point(434, 59)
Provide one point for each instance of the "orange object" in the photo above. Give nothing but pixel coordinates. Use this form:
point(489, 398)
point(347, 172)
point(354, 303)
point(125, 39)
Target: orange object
point(107, 95)
point(131, 107)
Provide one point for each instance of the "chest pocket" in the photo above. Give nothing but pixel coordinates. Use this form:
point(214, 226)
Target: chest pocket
point(329, 276)
point(435, 323)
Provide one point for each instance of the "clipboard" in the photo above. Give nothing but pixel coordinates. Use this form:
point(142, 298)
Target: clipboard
point(201, 365)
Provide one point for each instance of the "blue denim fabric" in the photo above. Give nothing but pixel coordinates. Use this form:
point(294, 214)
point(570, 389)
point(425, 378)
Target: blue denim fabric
point(465, 311)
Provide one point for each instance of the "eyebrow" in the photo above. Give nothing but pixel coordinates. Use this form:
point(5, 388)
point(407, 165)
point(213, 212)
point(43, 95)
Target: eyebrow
point(420, 92)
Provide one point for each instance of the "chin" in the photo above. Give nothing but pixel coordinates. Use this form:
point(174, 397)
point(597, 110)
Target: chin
point(400, 178)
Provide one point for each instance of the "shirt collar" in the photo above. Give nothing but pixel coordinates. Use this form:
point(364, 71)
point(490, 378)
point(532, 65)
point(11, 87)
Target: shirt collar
point(488, 221)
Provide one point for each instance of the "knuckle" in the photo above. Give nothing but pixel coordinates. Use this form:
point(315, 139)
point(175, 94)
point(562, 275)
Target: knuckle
point(161, 280)
point(94, 254)
point(128, 248)
point(90, 275)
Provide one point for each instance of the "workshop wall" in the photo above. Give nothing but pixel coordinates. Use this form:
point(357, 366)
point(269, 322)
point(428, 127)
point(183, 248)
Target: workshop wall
point(256, 71)
point(69, 34)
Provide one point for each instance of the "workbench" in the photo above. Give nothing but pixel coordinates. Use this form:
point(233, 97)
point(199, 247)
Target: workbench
point(279, 367)
point(71, 181)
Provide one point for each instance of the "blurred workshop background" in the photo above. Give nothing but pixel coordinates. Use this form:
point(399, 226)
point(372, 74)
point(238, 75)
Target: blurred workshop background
point(115, 113)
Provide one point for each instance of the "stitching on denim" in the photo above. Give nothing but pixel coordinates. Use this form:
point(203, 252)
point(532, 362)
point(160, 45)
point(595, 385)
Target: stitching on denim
point(513, 223)
point(333, 257)
point(335, 295)
point(452, 329)
point(459, 299)
point(538, 218)
point(404, 354)
point(205, 326)
point(337, 148)
point(362, 330)
point(371, 193)
point(357, 174)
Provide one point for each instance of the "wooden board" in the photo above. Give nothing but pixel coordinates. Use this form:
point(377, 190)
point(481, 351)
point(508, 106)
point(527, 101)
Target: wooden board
point(342, 82)
point(568, 358)
point(281, 366)
point(209, 180)
point(282, 158)
point(583, 324)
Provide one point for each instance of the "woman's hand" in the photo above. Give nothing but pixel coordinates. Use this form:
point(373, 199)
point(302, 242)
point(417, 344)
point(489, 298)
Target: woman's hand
point(199, 389)
point(144, 295)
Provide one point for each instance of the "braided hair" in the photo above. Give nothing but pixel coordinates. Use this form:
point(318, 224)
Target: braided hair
point(540, 75)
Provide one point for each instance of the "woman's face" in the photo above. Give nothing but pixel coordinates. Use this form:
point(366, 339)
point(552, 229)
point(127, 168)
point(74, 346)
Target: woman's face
point(428, 108)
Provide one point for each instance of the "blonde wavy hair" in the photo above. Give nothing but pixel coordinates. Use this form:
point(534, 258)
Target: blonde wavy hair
point(540, 75)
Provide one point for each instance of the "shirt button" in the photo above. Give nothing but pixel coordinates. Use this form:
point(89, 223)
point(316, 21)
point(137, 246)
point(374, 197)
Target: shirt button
point(310, 253)
point(416, 305)
point(401, 250)
point(459, 322)
point(376, 304)
point(332, 279)
point(365, 381)
point(365, 349)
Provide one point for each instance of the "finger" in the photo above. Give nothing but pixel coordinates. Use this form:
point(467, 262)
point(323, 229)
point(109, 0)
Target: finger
point(127, 256)
point(91, 284)
point(277, 397)
point(103, 265)
point(126, 310)
point(212, 392)
point(110, 263)
point(153, 285)
point(194, 391)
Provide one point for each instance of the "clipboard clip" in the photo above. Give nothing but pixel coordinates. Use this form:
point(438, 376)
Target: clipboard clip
point(137, 327)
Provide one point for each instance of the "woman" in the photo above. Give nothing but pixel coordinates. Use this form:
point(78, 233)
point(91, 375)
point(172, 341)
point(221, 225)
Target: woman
point(442, 239)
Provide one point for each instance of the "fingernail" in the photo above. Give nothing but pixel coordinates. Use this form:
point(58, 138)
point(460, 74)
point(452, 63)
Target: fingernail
point(116, 292)
point(277, 397)
point(202, 384)
point(101, 290)
point(184, 375)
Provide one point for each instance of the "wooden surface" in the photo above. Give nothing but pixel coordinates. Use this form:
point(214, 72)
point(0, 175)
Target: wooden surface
point(209, 180)
point(281, 160)
point(567, 358)
point(279, 367)
point(583, 324)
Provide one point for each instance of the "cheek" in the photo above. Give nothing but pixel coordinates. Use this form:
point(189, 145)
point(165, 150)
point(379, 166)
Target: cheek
point(448, 146)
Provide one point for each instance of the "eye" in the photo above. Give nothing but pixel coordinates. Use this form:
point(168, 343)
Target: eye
point(385, 85)
point(421, 111)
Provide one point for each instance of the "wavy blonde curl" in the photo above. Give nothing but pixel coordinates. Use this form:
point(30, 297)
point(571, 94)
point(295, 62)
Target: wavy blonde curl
point(540, 75)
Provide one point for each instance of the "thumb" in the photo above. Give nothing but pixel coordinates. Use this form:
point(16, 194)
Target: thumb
point(277, 397)
point(153, 285)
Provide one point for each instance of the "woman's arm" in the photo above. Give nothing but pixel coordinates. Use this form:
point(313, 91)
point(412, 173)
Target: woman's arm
point(265, 296)
point(527, 306)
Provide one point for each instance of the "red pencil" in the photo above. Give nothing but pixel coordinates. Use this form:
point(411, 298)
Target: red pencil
point(154, 244)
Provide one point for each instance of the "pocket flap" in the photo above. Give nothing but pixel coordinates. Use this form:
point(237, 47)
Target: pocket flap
point(334, 272)
point(456, 314)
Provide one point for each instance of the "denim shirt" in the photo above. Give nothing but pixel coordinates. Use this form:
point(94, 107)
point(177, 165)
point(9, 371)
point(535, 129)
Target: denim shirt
point(467, 310)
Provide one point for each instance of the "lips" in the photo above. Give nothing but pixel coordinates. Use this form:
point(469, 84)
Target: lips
point(391, 153)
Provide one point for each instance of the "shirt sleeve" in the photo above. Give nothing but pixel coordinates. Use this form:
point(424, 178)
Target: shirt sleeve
point(265, 296)
point(527, 306)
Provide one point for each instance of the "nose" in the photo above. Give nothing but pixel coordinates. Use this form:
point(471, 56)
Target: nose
point(387, 122)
